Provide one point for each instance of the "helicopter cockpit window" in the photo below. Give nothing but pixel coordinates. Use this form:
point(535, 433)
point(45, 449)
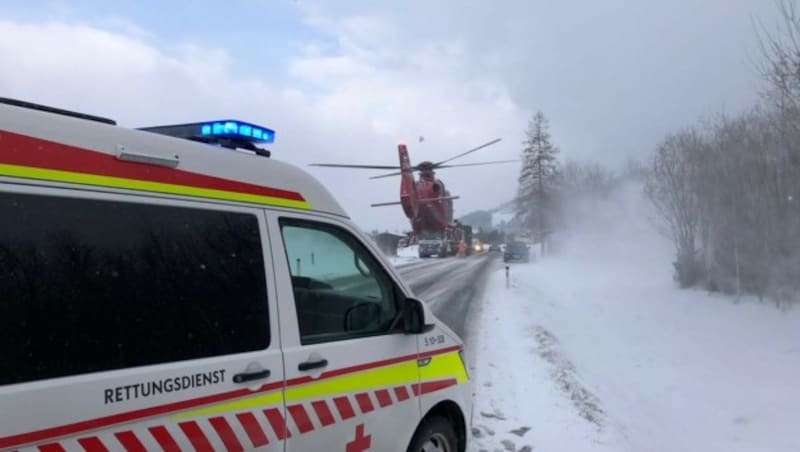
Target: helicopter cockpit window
point(339, 288)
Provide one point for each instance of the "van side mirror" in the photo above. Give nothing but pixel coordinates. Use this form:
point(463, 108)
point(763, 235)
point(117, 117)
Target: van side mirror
point(362, 317)
point(414, 317)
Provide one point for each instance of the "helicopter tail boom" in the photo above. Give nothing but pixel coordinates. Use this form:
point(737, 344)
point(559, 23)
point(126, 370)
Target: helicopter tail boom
point(408, 192)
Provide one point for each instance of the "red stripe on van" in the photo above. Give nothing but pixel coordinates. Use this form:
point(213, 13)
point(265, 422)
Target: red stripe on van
point(433, 386)
point(323, 412)
point(364, 402)
point(226, 434)
point(301, 419)
point(278, 423)
point(384, 399)
point(92, 424)
point(253, 429)
point(119, 418)
point(344, 407)
point(92, 444)
point(164, 439)
point(196, 436)
point(23, 150)
point(130, 442)
point(402, 393)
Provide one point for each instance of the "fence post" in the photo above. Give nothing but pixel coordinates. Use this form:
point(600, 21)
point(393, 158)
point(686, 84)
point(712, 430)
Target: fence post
point(508, 283)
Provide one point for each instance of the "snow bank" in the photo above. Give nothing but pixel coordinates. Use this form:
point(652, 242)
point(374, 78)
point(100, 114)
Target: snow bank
point(405, 255)
point(520, 404)
point(595, 349)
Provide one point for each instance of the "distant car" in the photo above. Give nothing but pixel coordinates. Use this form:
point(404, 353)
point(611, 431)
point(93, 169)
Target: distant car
point(495, 248)
point(516, 251)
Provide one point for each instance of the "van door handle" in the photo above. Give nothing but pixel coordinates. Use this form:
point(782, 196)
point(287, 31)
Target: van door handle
point(315, 364)
point(250, 376)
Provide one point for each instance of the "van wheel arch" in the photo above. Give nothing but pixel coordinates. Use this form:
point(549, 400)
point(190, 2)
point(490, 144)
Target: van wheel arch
point(451, 412)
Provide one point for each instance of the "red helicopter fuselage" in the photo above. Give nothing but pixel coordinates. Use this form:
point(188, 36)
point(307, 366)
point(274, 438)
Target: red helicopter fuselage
point(426, 202)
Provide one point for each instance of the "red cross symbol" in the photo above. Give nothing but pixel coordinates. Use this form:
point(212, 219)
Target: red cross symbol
point(360, 443)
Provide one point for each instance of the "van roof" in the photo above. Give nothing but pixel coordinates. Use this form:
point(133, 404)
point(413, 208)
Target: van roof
point(56, 148)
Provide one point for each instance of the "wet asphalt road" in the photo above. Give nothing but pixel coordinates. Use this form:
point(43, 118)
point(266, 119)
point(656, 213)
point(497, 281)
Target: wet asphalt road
point(452, 287)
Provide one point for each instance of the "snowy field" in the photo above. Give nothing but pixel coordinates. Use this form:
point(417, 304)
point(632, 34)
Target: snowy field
point(596, 350)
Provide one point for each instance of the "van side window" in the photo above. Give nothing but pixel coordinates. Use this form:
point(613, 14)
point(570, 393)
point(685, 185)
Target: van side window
point(340, 289)
point(90, 285)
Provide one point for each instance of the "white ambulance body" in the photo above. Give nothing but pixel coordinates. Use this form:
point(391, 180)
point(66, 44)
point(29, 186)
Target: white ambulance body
point(160, 293)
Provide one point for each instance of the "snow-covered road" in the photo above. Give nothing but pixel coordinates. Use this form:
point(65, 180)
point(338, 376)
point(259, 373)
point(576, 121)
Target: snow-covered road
point(529, 395)
point(452, 287)
point(595, 349)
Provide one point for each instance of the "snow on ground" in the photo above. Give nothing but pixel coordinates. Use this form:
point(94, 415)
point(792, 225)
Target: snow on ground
point(596, 350)
point(405, 255)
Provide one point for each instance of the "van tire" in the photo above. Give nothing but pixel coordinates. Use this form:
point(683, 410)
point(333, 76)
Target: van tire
point(435, 434)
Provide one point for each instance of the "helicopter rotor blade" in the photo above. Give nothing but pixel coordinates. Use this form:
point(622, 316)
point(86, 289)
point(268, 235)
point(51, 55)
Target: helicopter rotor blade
point(384, 204)
point(338, 165)
point(415, 168)
point(496, 140)
point(393, 174)
point(477, 164)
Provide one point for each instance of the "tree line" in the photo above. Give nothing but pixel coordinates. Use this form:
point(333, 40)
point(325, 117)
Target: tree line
point(726, 189)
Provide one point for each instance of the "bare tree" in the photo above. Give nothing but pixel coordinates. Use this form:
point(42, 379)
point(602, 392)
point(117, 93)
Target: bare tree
point(727, 189)
point(670, 187)
point(780, 58)
point(588, 179)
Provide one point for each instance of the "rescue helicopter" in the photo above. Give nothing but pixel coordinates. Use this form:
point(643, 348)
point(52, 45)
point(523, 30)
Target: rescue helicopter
point(426, 202)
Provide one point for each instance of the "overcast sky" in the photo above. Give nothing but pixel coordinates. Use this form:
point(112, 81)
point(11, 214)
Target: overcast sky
point(344, 81)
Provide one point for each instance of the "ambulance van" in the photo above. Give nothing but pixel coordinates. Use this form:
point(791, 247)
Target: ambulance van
point(176, 288)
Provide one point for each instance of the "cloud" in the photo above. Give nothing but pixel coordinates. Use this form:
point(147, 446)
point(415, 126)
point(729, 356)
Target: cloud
point(345, 107)
point(397, 88)
point(612, 76)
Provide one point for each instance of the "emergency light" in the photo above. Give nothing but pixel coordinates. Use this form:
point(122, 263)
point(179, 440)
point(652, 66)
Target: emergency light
point(229, 133)
point(237, 129)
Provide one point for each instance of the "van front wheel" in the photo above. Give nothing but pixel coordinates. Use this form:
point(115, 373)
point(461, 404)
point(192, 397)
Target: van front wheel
point(435, 435)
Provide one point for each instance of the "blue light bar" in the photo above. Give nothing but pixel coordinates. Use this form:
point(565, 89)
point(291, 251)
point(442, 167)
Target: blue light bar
point(237, 129)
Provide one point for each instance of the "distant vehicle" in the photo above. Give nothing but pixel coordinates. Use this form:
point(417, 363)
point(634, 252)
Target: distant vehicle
point(495, 248)
point(516, 251)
